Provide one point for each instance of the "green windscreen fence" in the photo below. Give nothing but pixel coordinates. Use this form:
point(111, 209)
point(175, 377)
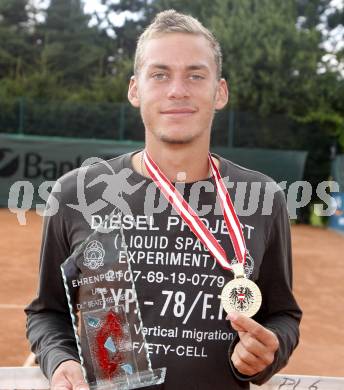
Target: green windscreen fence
point(281, 165)
point(34, 160)
point(120, 121)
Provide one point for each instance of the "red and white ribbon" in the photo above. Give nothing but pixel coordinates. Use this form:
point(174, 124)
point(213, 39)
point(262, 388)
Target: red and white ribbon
point(193, 220)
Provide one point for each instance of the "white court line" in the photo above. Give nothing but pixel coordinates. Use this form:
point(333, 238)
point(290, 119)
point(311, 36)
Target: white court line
point(11, 306)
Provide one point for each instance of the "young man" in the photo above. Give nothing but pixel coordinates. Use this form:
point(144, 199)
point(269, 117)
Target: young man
point(177, 86)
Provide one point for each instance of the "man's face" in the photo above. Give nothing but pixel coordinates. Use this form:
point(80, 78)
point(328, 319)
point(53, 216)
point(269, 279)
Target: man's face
point(176, 89)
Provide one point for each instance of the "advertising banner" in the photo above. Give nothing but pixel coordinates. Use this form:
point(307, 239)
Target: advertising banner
point(336, 220)
point(32, 164)
point(35, 163)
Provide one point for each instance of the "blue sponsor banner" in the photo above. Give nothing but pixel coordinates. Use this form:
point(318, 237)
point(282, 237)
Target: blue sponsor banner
point(337, 219)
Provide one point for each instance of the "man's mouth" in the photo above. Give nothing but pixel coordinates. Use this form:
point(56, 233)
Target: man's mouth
point(181, 111)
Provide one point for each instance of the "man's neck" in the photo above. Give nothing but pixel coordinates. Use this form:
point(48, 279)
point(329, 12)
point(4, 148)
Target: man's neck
point(177, 162)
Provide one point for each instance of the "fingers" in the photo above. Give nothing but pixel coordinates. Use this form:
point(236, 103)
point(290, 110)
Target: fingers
point(247, 324)
point(68, 376)
point(237, 327)
point(241, 366)
point(257, 346)
point(253, 347)
point(232, 317)
point(245, 362)
point(77, 378)
point(242, 323)
point(80, 385)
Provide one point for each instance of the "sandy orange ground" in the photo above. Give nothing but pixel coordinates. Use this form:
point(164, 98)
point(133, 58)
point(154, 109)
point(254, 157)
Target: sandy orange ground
point(318, 285)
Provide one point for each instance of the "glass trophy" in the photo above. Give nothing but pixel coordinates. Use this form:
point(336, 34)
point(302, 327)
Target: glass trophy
point(105, 313)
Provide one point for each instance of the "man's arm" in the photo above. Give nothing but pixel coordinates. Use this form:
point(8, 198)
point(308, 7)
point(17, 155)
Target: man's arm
point(49, 326)
point(277, 323)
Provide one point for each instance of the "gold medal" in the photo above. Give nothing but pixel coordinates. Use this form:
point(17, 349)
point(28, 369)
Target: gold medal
point(241, 294)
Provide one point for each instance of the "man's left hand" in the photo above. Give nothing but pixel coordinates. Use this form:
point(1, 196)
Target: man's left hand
point(256, 348)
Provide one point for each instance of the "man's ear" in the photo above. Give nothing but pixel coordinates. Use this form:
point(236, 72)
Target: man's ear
point(133, 95)
point(222, 94)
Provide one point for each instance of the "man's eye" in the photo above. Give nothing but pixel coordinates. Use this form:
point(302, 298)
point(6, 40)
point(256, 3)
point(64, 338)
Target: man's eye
point(159, 76)
point(196, 77)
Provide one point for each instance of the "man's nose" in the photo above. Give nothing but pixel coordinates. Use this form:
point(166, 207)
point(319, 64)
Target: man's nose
point(178, 89)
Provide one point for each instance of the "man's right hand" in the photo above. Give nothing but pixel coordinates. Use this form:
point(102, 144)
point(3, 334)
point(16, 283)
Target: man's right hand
point(68, 376)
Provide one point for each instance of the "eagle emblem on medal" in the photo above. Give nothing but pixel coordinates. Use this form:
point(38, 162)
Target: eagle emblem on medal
point(241, 298)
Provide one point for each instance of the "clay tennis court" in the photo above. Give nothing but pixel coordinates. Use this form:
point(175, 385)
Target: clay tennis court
point(318, 285)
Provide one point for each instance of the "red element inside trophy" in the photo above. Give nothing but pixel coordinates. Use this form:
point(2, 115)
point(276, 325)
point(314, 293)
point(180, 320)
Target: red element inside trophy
point(107, 339)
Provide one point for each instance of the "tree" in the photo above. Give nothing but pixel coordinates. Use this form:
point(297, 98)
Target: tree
point(72, 50)
point(271, 62)
point(15, 48)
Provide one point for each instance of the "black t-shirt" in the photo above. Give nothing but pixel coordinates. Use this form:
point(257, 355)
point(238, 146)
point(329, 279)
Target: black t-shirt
point(178, 282)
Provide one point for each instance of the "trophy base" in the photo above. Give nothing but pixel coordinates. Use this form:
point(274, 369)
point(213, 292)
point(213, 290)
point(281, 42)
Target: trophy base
point(139, 380)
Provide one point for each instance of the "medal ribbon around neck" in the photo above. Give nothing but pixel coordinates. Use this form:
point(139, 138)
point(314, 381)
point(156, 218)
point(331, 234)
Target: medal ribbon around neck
point(192, 219)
